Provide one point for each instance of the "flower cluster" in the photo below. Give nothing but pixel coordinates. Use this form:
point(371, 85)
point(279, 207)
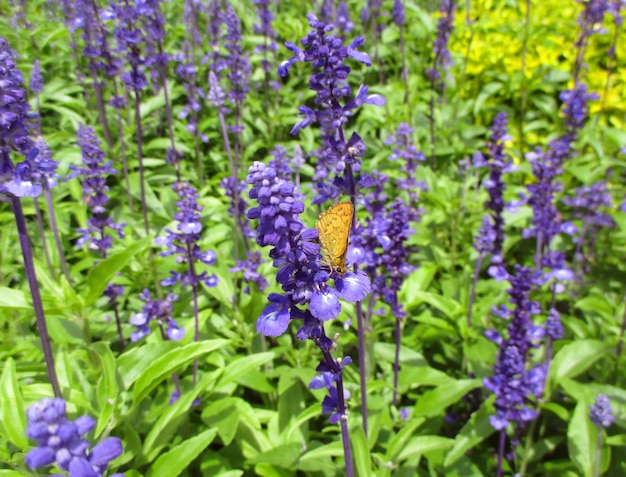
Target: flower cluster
point(591, 18)
point(184, 243)
point(397, 12)
point(94, 176)
point(343, 22)
point(59, 440)
point(588, 203)
point(159, 310)
point(22, 179)
point(404, 150)
point(36, 78)
point(130, 41)
point(576, 107)
point(250, 268)
point(601, 413)
point(264, 27)
point(491, 235)
point(187, 71)
point(395, 253)
point(514, 383)
point(237, 62)
point(444, 29)
point(301, 273)
point(327, 55)
point(369, 236)
point(547, 166)
point(330, 379)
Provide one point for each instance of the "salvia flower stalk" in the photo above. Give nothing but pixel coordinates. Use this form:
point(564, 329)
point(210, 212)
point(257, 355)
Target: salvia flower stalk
point(590, 22)
point(184, 244)
point(22, 179)
point(441, 62)
point(94, 173)
point(327, 55)
point(517, 382)
point(490, 238)
point(100, 224)
point(307, 296)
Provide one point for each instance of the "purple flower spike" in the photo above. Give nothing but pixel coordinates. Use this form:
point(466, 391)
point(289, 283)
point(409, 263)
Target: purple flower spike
point(516, 385)
point(601, 413)
point(59, 440)
point(184, 242)
point(94, 174)
point(22, 179)
point(158, 310)
point(302, 273)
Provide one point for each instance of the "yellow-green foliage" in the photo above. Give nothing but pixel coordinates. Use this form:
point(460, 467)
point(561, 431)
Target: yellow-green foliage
point(497, 37)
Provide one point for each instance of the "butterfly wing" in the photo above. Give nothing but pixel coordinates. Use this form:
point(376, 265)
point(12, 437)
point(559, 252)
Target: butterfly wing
point(333, 227)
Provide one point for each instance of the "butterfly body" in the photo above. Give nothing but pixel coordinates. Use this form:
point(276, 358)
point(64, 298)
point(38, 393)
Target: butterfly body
point(333, 227)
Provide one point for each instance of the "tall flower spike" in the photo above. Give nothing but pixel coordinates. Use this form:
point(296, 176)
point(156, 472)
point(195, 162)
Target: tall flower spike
point(94, 175)
point(302, 273)
point(21, 179)
point(445, 26)
point(184, 243)
point(513, 382)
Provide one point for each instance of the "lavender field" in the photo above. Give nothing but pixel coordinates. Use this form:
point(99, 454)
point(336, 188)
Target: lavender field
point(335, 238)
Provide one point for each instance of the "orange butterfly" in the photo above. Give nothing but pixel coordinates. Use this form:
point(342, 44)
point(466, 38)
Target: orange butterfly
point(333, 227)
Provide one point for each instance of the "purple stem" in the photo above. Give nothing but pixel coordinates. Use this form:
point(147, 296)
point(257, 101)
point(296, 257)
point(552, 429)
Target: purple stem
point(196, 312)
point(31, 276)
point(341, 407)
point(358, 304)
point(501, 443)
point(101, 107)
point(610, 69)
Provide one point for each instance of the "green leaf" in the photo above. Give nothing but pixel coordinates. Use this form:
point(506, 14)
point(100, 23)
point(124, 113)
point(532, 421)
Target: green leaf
point(477, 429)
point(360, 452)
point(170, 419)
point(423, 445)
point(617, 440)
point(108, 388)
point(12, 299)
point(175, 461)
point(239, 367)
point(575, 358)
point(164, 366)
point(582, 436)
point(134, 361)
point(12, 406)
point(284, 456)
point(447, 306)
point(224, 415)
point(399, 441)
point(100, 276)
point(435, 401)
point(487, 91)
